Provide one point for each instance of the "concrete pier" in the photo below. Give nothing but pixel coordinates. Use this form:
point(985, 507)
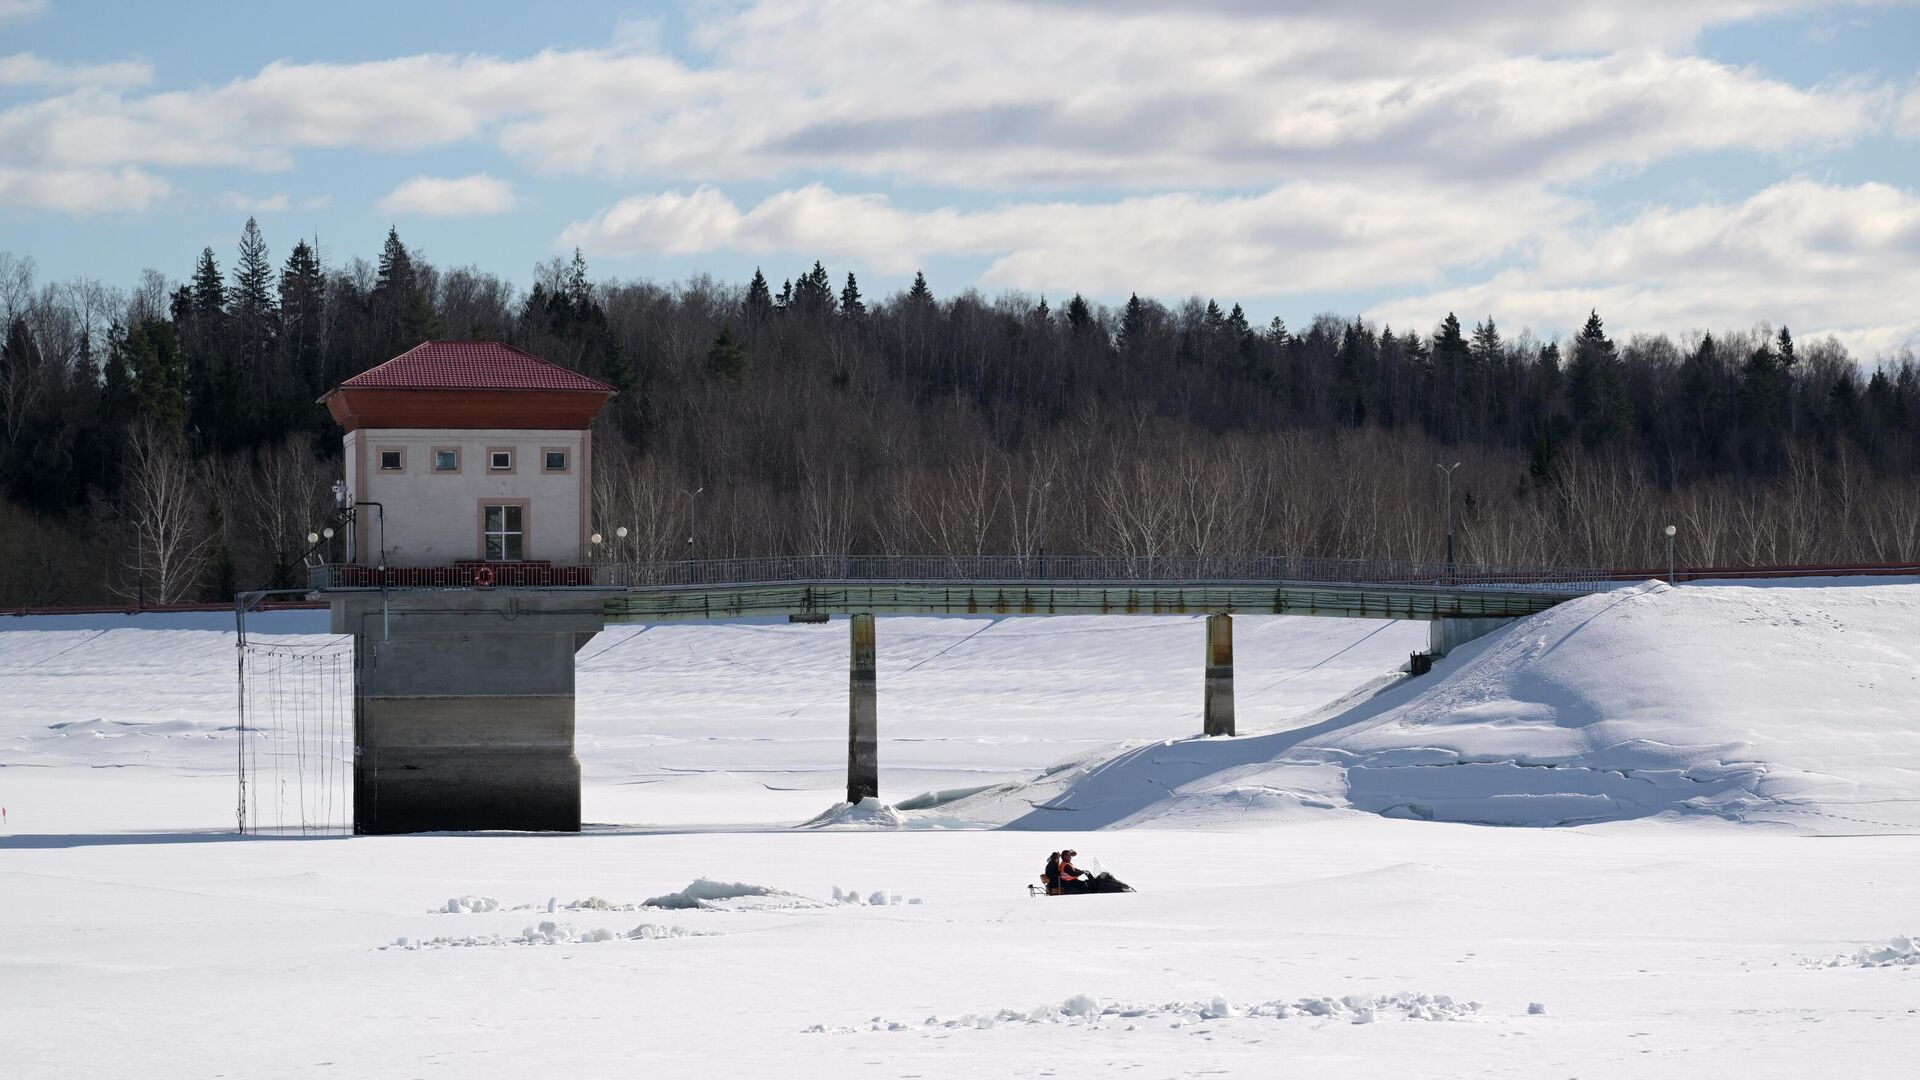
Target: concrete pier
point(863, 714)
point(1218, 709)
point(464, 714)
point(1445, 635)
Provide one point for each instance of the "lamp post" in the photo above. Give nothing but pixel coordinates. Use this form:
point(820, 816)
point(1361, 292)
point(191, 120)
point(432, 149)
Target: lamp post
point(1447, 471)
point(1040, 524)
point(690, 519)
point(1670, 570)
point(626, 556)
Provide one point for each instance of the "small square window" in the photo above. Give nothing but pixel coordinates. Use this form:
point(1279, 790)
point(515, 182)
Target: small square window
point(556, 461)
point(501, 460)
point(446, 461)
point(389, 461)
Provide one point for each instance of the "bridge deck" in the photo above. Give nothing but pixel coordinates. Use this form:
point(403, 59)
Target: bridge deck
point(1012, 585)
point(1361, 601)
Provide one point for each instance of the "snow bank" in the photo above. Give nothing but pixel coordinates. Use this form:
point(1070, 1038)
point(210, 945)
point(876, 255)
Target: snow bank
point(705, 894)
point(1085, 1009)
point(1798, 706)
point(868, 813)
point(1898, 952)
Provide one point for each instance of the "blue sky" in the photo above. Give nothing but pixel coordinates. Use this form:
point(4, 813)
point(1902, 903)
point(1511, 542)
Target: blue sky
point(1680, 166)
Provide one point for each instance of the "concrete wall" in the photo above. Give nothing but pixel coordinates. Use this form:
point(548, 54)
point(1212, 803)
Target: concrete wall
point(464, 709)
point(1446, 635)
point(433, 518)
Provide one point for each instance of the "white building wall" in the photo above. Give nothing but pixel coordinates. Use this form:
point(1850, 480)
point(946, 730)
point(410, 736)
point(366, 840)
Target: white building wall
point(433, 518)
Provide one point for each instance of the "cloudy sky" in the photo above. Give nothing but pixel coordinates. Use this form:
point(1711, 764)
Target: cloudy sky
point(1679, 165)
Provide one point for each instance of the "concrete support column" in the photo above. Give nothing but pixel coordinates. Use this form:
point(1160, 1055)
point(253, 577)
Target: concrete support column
point(463, 710)
point(863, 714)
point(1446, 634)
point(1218, 712)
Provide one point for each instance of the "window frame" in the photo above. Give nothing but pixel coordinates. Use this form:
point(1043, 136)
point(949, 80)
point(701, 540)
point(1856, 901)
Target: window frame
point(513, 461)
point(380, 459)
point(435, 463)
point(566, 453)
point(523, 532)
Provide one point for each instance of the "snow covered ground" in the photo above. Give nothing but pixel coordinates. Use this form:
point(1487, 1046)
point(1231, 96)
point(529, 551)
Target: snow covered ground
point(1746, 907)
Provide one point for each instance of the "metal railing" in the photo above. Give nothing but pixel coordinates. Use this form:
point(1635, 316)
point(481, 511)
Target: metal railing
point(969, 569)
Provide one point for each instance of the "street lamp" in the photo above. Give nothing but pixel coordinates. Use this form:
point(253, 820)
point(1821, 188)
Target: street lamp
point(1447, 470)
point(1670, 572)
point(1040, 524)
point(690, 495)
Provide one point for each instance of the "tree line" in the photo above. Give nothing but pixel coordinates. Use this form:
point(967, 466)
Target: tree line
point(163, 442)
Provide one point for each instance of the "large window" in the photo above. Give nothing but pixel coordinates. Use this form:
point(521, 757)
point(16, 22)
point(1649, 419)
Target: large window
point(503, 533)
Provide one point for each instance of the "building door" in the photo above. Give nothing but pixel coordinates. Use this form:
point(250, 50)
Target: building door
point(503, 532)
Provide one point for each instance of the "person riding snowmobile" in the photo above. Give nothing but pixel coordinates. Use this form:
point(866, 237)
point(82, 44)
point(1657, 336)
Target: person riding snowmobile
point(1072, 878)
point(1051, 875)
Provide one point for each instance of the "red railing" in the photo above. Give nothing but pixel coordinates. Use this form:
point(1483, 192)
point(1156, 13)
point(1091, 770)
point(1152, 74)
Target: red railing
point(522, 575)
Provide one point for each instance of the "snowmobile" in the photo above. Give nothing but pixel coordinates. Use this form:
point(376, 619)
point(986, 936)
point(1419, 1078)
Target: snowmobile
point(1098, 880)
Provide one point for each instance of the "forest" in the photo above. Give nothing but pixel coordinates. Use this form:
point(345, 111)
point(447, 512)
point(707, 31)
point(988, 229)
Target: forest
point(161, 442)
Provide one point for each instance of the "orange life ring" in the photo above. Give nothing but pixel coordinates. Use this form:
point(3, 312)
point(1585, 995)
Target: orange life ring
point(483, 576)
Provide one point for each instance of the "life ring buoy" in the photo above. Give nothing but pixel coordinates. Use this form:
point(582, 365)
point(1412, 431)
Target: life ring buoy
point(483, 576)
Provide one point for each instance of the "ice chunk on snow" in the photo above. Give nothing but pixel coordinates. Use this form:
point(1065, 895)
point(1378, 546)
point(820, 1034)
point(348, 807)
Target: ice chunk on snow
point(466, 905)
point(1534, 1008)
point(1081, 1005)
point(1897, 952)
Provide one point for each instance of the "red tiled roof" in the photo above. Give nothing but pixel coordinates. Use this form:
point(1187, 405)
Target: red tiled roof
point(471, 365)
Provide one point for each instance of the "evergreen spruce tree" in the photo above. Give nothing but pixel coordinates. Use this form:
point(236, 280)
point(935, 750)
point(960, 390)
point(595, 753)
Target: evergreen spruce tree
point(1451, 358)
point(1079, 315)
point(813, 293)
point(303, 324)
point(159, 374)
point(1596, 397)
point(257, 389)
point(398, 306)
point(919, 296)
point(850, 303)
point(200, 315)
point(726, 360)
point(1133, 325)
point(759, 301)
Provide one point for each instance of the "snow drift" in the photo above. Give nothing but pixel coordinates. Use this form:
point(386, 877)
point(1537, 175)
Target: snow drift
point(1776, 704)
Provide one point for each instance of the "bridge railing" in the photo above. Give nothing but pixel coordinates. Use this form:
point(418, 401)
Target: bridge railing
point(1089, 569)
point(969, 569)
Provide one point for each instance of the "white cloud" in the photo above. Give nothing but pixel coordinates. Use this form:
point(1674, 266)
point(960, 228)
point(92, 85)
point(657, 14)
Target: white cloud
point(466, 196)
point(81, 191)
point(1908, 122)
point(20, 9)
point(26, 69)
point(1818, 258)
point(256, 204)
point(1297, 238)
point(1073, 96)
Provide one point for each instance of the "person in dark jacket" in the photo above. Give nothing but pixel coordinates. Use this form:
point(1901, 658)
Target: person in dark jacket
point(1051, 875)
